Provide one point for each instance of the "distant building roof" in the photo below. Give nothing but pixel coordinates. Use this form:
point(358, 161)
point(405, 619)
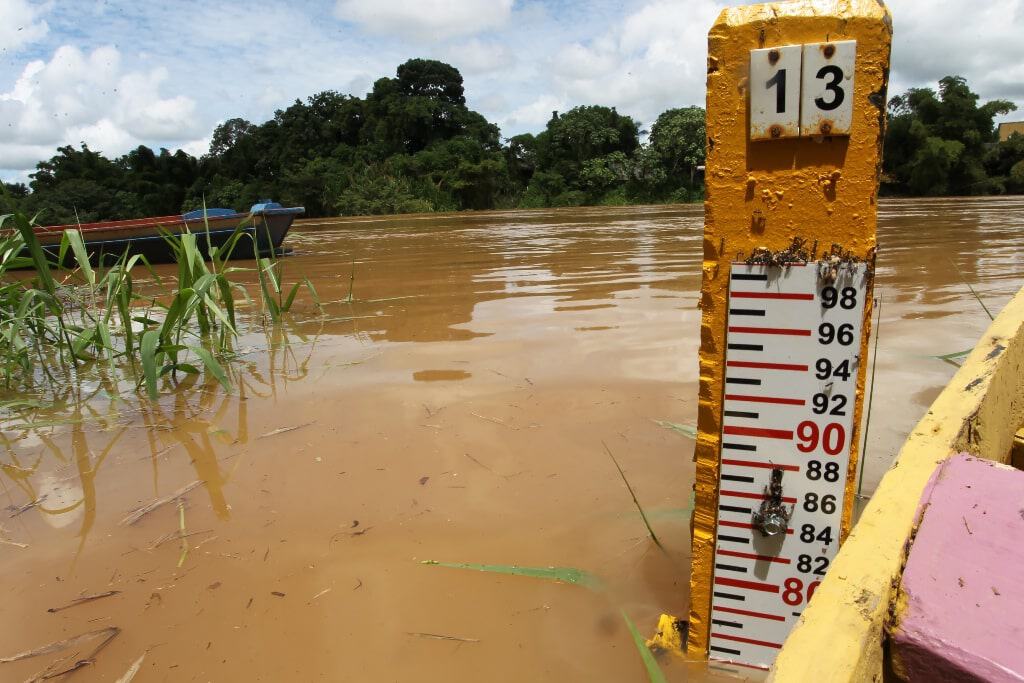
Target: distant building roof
point(1009, 128)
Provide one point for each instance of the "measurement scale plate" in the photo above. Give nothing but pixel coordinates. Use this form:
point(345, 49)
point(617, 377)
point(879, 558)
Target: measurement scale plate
point(793, 340)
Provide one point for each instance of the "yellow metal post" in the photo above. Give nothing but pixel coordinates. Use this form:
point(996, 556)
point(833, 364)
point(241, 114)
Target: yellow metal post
point(813, 177)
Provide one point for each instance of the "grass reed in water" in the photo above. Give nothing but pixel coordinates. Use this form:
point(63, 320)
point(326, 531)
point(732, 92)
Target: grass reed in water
point(643, 515)
point(64, 321)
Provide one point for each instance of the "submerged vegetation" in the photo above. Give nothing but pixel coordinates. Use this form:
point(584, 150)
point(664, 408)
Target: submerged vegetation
point(64, 321)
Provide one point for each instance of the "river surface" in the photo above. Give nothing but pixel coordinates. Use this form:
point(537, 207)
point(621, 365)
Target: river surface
point(460, 408)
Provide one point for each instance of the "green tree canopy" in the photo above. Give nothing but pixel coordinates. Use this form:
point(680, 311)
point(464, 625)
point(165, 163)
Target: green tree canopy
point(938, 143)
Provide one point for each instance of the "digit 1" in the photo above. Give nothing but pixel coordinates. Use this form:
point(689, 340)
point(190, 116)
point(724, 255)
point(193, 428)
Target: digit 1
point(778, 79)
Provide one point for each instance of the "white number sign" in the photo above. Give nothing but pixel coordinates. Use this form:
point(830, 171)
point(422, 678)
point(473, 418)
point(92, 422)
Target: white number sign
point(775, 92)
point(802, 90)
point(827, 101)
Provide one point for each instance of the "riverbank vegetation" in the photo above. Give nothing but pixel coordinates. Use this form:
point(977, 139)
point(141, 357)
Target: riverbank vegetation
point(945, 143)
point(65, 321)
point(413, 145)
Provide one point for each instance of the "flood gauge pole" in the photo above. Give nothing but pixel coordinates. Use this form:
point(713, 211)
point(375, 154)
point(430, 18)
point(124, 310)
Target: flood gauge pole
point(796, 100)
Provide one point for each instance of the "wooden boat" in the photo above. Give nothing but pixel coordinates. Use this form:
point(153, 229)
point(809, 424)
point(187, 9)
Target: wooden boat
point(266, 222)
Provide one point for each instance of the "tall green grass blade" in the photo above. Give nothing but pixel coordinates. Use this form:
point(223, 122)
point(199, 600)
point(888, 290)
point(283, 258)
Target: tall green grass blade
point(564, 574)
point(265, 273)
point(964, 280)
point(643, 515)
point(212, 366)
point(74, 238)
point(953, 358)
point(81, 341)
point(227, 297)
point(268, 267)
point(147, 351)
point(313, 295)
point(35, 251)
point(218, 313)
point(650, 663)
point(287, 306)
point(173, 315)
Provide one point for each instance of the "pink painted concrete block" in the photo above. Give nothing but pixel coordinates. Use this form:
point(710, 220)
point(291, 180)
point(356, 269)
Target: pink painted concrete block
point(964, 579)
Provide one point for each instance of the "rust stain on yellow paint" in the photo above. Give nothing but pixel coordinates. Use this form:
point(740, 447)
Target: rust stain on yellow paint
point(763, 194)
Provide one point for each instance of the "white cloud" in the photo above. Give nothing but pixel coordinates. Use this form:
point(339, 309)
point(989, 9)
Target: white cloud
point(18, 160)
point(425, 20)
point(654, 59)
point(60, 84)
point(476, 57)
point(982, 41)
point(88, 97)
point(535, 114)
point(198, 148)
point(21, 24)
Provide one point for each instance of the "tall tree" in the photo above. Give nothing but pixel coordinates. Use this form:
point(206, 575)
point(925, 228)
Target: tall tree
point(937, 143)
point(570, 144)
point(678, 141)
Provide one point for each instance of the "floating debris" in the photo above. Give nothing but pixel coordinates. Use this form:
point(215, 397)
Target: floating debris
point(16, 510)
point(439, 636)
point(324, 591)
point(282, 430)
point(686, 430)
point(84, 599)
point(132, 670)
point(175, 535)
point(138, 513)
point(53, 671)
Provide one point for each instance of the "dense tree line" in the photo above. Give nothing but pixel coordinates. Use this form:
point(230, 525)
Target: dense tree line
point(945, 143)
point(413, 145)
point(410, 145)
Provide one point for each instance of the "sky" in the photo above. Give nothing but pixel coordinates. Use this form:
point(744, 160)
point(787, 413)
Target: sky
point(118, 73)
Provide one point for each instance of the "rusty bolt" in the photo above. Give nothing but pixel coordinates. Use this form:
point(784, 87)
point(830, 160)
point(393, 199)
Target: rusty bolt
point(830, 50)
point(775, 131)
point(825, 128)
point(773, 56)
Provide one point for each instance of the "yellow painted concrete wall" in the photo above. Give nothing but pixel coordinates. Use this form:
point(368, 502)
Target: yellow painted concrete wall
point(1009, 128)
point(763, 194)
point(840, 635)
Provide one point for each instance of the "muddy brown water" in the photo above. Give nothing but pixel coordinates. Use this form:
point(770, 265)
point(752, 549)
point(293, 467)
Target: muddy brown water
point(457, 410)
